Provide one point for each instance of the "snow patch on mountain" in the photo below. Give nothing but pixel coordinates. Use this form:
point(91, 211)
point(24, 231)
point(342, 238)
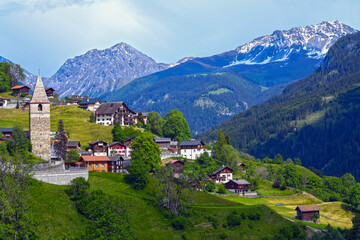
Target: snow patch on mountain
point(313, 41)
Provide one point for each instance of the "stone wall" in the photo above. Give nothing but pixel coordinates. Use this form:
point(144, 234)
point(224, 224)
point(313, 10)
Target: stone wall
point(61, 177)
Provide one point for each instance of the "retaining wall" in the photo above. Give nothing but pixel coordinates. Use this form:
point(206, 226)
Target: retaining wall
point(60, 178)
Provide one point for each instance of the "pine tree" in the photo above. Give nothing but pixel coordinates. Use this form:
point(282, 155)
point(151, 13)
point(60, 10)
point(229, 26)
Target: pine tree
point(220, 143)
point(61, 141)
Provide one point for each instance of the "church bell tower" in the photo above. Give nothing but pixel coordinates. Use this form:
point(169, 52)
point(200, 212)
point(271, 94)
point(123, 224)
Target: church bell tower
point(39, 118)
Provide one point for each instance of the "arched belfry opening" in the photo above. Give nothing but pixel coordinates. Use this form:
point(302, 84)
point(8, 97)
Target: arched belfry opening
point(40, 107)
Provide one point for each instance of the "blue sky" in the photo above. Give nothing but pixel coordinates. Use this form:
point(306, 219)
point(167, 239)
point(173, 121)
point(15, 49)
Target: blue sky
point(44, 33)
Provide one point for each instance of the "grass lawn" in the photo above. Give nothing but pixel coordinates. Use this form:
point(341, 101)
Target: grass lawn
point(75, 120)
point(54, 212)
point(266, 189)
point(333, 213)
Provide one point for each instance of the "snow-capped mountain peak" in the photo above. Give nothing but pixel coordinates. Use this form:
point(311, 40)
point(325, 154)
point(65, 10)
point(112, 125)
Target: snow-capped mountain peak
point(313, 40)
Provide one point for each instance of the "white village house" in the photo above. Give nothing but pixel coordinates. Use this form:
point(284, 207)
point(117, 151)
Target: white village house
point(192, 149)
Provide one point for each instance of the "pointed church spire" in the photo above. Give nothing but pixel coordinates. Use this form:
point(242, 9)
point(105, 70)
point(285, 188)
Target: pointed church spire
point(39, 94)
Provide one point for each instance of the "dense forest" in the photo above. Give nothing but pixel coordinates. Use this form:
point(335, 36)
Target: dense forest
point(206, 100)
point(315, 118)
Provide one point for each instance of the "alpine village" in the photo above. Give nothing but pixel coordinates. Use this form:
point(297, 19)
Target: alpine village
point(259, 142)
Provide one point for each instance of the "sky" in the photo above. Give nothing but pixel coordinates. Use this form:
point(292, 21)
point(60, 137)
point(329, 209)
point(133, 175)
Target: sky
point(45, 33)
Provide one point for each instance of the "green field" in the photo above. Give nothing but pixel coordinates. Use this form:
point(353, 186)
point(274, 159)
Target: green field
point(75, 120)
point(333, 213)
point(56, 215)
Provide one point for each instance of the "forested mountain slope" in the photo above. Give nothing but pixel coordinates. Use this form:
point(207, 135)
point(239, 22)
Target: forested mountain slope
point(270, 61)
point(316, 118)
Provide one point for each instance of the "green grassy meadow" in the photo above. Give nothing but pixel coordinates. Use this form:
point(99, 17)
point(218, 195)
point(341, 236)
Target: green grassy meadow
point(75, 120)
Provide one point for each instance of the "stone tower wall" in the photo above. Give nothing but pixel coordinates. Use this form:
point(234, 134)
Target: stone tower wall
point(40, 130)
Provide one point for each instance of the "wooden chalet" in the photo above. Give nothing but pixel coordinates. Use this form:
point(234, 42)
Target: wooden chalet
point(116, 148)
point(164, 143)
point(222, 175)
point(237, 186)
point(177, 165)
point(96, 163)
point(19, 89)
point(98, 148)
point(305, 212)
point(91, 104)
point(49, 92)
point(119, 163)
point(73, 145)
point(136, 117)
point(109, 113)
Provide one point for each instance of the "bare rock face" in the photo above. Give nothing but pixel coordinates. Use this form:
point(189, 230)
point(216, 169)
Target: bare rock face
point(100, 71)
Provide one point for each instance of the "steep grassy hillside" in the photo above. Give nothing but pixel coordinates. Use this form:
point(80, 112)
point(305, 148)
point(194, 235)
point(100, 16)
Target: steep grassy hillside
point(315, 118)
point(57, 217)
point(54, 212)
point(75, 120)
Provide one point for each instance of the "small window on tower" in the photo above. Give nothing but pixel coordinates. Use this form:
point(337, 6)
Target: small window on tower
point(40, 107)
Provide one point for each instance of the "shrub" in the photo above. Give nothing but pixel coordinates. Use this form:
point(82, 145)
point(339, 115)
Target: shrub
point(179, 223)
point(234, 219)
point(23, 94)
point(210, 186)
point(254, 216)
point(221, 189)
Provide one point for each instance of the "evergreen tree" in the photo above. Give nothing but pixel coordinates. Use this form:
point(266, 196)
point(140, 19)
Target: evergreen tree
point(155, 123)
point(297, 161)
point(278, 159)
point(176, 127)
point(220, 143)
point(61, 141)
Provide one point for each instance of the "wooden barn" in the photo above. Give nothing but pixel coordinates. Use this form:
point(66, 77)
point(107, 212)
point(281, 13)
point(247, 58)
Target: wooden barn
point(306, 212)
point(19, 89)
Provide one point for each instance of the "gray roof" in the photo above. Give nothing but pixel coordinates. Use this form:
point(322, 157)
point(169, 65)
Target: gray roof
point(162, 139)
point(173, 143)
point(6, 129)
point(109, 108)
point(73, 143)
point(89, 101)
point(191, 143)
point(39, 94)
point(114, 158)
point(79, 97)
point(220, 169)
point(241, 182)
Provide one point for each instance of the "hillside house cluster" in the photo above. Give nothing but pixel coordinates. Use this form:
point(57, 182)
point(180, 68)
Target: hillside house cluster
point(224, 175)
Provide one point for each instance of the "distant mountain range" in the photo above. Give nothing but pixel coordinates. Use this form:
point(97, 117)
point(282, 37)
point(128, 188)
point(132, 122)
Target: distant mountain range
point(214, 88)
point(316, 118)
point(270, 62)
point(101, 71)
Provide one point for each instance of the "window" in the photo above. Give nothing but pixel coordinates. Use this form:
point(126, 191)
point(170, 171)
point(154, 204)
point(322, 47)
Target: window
point(103, 164)
point(89, 164)
point(97, 165)
point(40, 108)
